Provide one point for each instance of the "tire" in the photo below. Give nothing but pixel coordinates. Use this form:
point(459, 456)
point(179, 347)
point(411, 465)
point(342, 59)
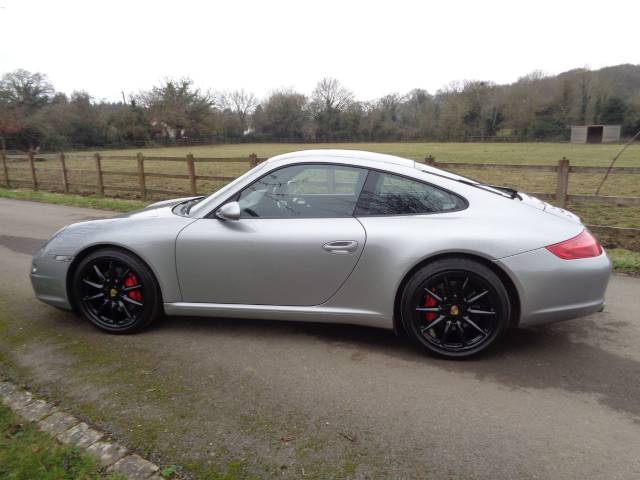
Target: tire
point(455, 308)
point(115, 291)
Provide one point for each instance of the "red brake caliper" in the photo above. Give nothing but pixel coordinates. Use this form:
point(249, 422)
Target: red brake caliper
point(132, 281)
point(430, 302)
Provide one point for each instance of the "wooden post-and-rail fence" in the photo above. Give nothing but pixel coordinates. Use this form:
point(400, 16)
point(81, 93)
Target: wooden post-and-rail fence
point(140, 173)
point(561, 196)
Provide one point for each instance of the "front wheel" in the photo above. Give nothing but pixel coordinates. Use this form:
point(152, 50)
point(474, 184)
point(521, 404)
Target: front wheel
point(455, 308)
point(115, 291)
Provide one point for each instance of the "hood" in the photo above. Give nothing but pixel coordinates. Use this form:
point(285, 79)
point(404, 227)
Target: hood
point(148, 224)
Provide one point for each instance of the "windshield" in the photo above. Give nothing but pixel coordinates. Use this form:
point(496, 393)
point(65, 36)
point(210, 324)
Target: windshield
point(195, 209)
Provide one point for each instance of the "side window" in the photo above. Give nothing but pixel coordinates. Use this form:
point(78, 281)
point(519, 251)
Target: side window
point(388, 194)
point(304, 191)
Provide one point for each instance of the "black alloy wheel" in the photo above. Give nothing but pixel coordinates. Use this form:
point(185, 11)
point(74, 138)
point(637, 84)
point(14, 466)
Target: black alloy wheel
point(455, 307)
point(115, 291)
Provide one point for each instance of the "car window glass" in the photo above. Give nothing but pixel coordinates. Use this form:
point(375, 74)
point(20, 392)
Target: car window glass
point(388, 194)
point(304, 191)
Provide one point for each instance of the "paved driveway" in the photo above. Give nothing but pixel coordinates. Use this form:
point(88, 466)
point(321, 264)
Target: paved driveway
point(287, 400)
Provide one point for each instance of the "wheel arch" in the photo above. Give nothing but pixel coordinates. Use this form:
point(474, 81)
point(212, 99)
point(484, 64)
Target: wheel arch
point(101, 246)
point(512, 291)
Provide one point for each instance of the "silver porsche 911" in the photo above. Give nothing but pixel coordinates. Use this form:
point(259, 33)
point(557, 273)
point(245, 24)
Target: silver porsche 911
point(335, 236)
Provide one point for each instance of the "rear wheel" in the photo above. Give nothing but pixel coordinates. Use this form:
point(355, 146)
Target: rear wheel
point(455, 307)
point(116, 291)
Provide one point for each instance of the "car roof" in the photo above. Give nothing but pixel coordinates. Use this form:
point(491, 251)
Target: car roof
point(340, 155)
point(362, 158)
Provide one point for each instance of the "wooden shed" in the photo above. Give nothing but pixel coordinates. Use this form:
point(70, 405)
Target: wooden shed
point(595, 133)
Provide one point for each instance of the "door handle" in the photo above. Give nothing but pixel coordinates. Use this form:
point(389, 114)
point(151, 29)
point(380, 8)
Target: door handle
point(341, 247)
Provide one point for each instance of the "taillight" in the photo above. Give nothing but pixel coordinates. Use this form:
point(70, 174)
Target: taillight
point(584, 245)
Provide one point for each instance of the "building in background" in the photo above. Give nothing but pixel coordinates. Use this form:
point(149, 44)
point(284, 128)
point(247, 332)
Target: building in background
point(595, 133)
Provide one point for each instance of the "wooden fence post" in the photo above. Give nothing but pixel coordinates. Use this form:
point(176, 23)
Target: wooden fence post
point(63, 167)
point(563, 182)
point(191, 167)
point(430, 160)
point(141, 179)
point(253, 160)
point(34, 179)
point(100, 183)
point(6, 169)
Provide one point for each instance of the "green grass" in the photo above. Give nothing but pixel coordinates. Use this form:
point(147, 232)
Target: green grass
point(625, 260)
point(28, 454)
point(74, 200)
point(522, 153)
point(611, 215)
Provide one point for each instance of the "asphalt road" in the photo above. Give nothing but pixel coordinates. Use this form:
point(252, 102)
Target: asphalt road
point(316, 401)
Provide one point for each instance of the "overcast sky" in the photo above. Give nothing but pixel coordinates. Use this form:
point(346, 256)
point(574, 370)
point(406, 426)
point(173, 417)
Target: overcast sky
point(373, 48)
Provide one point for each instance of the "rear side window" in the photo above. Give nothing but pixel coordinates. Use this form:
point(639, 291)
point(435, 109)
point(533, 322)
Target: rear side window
point(388, 194)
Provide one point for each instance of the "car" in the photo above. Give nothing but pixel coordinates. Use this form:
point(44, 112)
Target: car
point(336, 236)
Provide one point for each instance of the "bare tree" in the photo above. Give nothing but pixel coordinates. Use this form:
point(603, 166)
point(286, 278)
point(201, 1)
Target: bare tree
point(241, 102)
point(330, 96)
point(330, 102)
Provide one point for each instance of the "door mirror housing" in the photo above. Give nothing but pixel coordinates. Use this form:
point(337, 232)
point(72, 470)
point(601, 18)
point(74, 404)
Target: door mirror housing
point(229, 211)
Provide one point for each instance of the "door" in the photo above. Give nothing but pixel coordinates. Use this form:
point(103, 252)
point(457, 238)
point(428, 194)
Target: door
point(295, 244)
point(595, 134)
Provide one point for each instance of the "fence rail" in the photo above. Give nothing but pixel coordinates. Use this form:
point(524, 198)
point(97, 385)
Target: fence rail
point(561, 196)
point(140, 173)
point(562, 169)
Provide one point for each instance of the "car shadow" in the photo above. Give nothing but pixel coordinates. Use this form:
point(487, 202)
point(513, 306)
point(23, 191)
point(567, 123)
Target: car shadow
point(533, 358)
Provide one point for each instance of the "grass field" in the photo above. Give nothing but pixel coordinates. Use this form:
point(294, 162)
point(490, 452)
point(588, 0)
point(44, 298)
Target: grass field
point(523, 153)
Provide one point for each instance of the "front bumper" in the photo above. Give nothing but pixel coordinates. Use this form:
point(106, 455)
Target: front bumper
point(552, 289)
point(49, 279)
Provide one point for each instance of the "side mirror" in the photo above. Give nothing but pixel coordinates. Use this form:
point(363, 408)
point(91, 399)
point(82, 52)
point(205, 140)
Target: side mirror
point(229, 211)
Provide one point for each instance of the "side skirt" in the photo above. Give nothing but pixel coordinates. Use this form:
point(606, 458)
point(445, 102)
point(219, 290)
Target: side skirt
point(279, 312)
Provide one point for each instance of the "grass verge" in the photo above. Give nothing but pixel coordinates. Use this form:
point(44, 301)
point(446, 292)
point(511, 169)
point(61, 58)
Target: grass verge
point(624, 216)
point(26, 453)
point(625, 261)
point(104, 203)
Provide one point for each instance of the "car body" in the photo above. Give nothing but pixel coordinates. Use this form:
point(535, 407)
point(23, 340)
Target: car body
point(341, 266)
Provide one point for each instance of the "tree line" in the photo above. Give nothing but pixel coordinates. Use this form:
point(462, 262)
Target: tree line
point(33, 115)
